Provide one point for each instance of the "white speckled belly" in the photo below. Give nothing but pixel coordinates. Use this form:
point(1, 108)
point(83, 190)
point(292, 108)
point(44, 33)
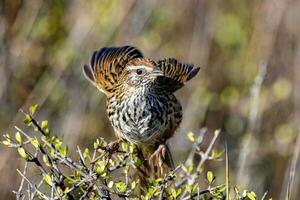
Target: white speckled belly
point(145, 118)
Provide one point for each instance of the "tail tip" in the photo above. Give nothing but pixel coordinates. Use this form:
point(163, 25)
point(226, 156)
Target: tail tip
point(193, 73)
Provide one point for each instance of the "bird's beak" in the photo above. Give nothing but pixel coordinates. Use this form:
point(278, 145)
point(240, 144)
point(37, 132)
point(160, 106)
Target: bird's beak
point(157, 72)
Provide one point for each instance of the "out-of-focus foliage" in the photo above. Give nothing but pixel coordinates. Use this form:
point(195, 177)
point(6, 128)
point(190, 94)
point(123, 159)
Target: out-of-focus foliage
point(43, 45)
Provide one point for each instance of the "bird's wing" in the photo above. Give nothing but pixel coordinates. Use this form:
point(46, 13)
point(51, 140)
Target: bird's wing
point(107, 64)
point(176, 74)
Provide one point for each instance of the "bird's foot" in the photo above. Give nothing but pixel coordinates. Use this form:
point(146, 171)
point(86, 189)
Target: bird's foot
point(158, 156)
point(113, 146)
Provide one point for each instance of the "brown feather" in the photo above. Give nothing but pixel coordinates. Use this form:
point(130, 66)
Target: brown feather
point(107, 64)
point(140, 101)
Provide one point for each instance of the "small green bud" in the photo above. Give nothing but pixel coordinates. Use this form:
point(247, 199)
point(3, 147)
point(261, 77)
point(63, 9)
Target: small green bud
point(121, 186)
point(46, 161)
point(44, 124)
point(35, 143)
point(27, 120)
point(48, 179)
point(210, 177)
point(110, 184)
point(22, 153)
point(19, 137)
point(191, 136)
point(33, 109)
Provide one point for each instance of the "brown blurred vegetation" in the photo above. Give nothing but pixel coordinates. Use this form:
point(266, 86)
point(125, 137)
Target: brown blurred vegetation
point(43, 45)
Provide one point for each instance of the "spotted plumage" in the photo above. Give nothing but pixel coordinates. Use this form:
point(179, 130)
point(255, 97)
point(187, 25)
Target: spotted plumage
point(140, 101)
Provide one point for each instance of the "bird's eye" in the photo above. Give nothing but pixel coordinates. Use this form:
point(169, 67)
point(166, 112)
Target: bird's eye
point(140, 71)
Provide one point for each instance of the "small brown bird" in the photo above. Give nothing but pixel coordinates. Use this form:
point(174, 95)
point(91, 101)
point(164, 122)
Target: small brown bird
point(140, 101)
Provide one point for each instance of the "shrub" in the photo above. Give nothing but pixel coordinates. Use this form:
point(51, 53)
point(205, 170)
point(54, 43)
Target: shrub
point(100, 173)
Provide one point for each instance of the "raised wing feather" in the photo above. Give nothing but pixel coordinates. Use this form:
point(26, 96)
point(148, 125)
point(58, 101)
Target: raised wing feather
point(107, 64)
point(176, 74)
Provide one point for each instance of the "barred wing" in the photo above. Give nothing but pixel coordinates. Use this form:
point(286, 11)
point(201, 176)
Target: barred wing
point(176, 74)
point(107, 64)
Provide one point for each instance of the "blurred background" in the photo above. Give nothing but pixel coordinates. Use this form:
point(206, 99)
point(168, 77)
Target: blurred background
point(249, 53)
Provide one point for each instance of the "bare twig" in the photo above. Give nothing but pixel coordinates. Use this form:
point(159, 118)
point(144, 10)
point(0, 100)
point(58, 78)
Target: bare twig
point(253, 119)
point(227, 172)
point(82, 160)
point(204, 156)
point(199, 141)
point(19, 193)
point(209, 190)
point(33, 186)
point(264, 196)
point(293, 166)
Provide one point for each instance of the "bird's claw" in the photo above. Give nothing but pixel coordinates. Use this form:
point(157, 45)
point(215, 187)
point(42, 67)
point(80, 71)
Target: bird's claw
point(113, 146)
point(159, 155)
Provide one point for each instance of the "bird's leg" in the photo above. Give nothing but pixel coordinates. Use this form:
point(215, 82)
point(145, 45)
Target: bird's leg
point(159, 155)
point(113, 146)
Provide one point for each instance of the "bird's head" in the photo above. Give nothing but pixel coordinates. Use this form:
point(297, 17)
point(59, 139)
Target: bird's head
point(141, 73)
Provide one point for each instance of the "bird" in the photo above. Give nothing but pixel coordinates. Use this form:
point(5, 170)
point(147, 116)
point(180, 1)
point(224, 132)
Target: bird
point(141, 104)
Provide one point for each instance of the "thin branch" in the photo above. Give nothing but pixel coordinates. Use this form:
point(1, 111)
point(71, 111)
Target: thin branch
point(18, 193)
point(33, 186)
point(81, 156)
point(264, 196)
point(253, 121)
point(209, 190)
point(227, 172)
point(199, 140)
point(293, 167)
point(204, 157)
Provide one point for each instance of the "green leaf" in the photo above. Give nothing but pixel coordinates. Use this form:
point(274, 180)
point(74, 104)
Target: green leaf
point(64, 150)
point(216, 154)
point(19, 137)
point(48, 179)
point(6, 142)
point(27, 120)
point(191, 136)
point(35, 143)
point(22, 153)
point(67, 190)
point(46, 161)
point(124, 146)
point(131, 148)
point(110, 184)
point(251, 195)
point(179, 191)
point(121, 186)
point(195, 186)
point(210, 177)
point(173, 192)
point(100, 167)
point(103, 143)
point(47, 132)
point(86, 153)
point(96, 144)
point(150, 193)
point(133, 184)
point(137, 161)
point(188, 188)
point(33, 109)
point(191, 167)
point(44, 124)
